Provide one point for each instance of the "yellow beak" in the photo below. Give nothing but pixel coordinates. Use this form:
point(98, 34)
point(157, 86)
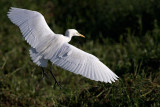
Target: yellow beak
point(82, 35)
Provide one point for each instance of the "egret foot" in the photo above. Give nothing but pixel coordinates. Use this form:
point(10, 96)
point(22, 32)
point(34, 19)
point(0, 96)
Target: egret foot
point(56, 82)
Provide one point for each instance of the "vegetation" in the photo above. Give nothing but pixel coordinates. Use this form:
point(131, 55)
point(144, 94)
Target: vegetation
point(123, 34)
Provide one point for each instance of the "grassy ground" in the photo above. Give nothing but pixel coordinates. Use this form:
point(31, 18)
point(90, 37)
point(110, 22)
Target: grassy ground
point(134, 59)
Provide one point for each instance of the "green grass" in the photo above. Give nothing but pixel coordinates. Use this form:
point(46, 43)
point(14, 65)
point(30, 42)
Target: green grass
point(133, 58)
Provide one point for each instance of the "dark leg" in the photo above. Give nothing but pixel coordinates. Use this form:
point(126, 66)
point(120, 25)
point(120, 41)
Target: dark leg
point(44, 74)
point(56, 82)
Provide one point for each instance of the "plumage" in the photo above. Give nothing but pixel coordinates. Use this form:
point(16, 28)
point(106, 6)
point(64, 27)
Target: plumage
point(48, 46)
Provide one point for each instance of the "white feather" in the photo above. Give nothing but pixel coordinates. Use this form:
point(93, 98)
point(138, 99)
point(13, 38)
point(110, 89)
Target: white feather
point(46, 45)
point(86, 64)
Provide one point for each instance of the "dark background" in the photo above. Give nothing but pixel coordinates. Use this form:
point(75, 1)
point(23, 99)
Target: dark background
point(123, 34)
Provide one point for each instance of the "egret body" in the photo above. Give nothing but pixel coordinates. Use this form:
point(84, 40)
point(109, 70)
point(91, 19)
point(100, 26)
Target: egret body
point(48, 46)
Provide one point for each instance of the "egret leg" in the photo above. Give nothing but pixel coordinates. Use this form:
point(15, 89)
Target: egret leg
point(44, 74)
point(56, 82)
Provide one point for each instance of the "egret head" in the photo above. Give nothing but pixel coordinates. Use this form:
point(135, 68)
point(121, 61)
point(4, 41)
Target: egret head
point(73, 32)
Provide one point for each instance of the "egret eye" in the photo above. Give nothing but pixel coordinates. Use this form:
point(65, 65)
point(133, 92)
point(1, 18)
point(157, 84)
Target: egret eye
point(77, 33)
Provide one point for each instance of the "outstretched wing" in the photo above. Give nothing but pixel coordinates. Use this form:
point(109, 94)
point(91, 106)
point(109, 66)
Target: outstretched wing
point(36, 31)
point(32, 25)
point(77, 61)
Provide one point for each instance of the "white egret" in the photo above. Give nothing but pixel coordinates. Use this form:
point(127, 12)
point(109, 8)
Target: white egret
point(48, 46)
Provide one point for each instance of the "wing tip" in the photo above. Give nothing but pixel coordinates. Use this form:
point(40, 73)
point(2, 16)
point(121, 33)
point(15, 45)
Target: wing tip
point(10, 11)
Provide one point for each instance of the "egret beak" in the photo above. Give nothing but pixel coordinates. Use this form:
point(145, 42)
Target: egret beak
point(82, 35)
